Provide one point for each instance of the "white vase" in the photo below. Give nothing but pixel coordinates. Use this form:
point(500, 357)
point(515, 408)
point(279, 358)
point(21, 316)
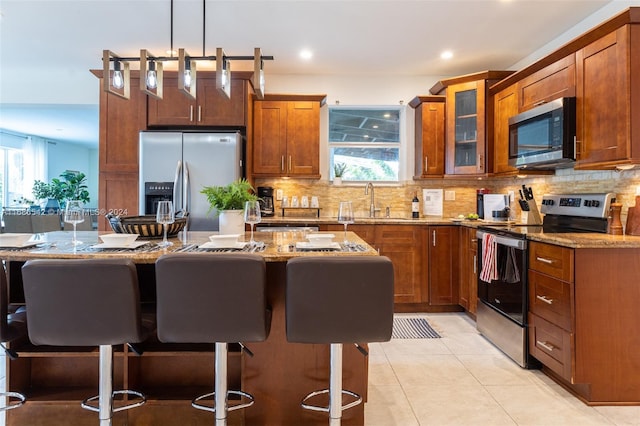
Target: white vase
point(337, 181)
point(231, 222)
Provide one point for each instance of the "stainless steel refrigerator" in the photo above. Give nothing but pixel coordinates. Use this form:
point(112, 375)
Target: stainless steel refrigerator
point(177, 165)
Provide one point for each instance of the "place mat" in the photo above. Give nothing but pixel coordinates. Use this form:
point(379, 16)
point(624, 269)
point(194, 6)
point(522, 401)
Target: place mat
point(413, 328)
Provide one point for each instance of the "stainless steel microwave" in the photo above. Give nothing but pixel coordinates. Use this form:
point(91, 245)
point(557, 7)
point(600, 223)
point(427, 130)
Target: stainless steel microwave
point(544, 137)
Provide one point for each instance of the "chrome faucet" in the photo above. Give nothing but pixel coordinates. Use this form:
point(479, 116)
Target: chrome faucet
point(372, 203)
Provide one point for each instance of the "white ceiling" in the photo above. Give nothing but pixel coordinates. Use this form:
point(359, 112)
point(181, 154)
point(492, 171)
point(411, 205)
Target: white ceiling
point(47, 46)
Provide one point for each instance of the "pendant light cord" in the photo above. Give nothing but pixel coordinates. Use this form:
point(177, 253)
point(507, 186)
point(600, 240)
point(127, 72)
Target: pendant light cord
point(171, 12)
point(204, 21)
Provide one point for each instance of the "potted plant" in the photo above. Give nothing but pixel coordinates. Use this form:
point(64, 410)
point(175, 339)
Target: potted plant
point(338, 171)
point(71, 187)
point(228, 203)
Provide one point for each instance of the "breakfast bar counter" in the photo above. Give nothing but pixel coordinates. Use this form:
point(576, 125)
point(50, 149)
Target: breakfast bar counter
point(278, 375)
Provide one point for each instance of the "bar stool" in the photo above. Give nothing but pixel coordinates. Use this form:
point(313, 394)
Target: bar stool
point(336, 300)
point(87, 302)
point(213, 298)
point(12, 327)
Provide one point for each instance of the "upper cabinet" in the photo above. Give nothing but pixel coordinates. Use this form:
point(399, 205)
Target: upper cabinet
point(557, 80)
point(505, 106)
point(286, 136)
point(608, 99)
point(469, 134)
point(211, 108)
point(430, 136)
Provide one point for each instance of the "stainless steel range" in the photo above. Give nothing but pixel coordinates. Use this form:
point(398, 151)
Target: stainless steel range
point(503, 266)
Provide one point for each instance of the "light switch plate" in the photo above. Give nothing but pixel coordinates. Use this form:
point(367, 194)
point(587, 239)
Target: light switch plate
point(449, 195)
point(279, 194)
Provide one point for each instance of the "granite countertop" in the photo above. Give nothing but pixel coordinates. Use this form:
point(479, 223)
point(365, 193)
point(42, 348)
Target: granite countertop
point(326, 220)
point(278, 247)
point(587, 240)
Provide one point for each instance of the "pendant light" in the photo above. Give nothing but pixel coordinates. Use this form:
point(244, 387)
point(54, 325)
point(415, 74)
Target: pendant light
point(258, 73)
point(150, 74)
point(223, 73)
point(186, 74)
point(116, 80)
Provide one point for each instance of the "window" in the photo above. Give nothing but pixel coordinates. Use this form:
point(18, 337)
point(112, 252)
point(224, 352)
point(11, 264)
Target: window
point(11, 176)
point(367, 141)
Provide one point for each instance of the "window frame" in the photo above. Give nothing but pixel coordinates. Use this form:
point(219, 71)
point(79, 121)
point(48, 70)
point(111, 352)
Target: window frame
point(400, 145)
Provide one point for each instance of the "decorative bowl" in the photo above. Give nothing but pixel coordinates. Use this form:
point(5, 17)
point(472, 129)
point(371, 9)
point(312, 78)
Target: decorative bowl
point(145, 226)
point(118, 239)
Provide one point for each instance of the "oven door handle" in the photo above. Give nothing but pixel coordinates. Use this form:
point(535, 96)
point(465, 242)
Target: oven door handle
point(505, 241)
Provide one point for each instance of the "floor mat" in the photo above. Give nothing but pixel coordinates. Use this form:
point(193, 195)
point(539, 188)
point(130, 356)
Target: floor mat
point(412, 328)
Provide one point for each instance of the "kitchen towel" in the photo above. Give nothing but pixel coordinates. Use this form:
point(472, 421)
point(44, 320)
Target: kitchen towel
point(489, 270)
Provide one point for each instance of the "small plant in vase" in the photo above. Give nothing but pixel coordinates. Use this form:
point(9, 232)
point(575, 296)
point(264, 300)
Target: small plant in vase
point(338, 172)
point(228, 203)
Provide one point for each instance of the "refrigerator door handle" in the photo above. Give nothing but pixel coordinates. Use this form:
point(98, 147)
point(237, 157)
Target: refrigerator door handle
point(186, 196)
point(176, 186)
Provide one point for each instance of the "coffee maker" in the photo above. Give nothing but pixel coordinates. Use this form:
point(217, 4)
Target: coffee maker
point(265, 198)
point(480, 193)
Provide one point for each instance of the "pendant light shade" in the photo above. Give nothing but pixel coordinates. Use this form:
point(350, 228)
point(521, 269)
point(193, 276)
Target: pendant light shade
point(116, 78)
point(186, 74)
point(150, 74)
point(223, 73)
point(258, 73)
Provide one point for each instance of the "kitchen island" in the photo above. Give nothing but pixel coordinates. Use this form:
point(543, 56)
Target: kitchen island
point(279, 374)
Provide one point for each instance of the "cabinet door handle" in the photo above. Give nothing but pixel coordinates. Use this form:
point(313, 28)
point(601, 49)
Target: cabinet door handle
point(289, 163)
point(475, 264)
point(426, 163)
point(199, 113)
point(545, 299)
point(543, 260)
point(282, 163)
point(480, 164)
point(545, 345)
point(433, 237)
point(191, 113)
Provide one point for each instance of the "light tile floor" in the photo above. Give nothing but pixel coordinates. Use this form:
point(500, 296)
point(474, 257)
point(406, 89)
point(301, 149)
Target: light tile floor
point(462, 379)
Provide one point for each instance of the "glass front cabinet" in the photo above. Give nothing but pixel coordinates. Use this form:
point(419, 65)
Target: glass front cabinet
point(468, 138)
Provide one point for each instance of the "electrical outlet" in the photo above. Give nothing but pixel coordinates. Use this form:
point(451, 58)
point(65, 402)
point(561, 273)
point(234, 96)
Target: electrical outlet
point(279, 194)
point(449, 195)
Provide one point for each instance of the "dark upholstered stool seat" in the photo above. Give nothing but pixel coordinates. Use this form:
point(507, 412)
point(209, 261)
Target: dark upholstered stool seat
point(87, 302)
point(220, 298)
point(12, 327)
point(338, 300)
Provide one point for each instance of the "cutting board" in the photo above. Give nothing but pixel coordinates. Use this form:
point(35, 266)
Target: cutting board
point(633, 219)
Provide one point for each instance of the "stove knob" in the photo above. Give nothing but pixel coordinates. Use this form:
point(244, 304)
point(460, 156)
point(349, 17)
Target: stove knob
point(587, 203)
point(595, 203)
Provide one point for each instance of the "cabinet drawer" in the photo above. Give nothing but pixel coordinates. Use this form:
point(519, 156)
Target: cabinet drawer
point(551, 260)
point(551, 345)
point(550, 299)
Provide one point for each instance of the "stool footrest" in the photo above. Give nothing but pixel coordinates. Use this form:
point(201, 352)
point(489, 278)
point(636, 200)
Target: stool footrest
point(246, 395)
point(85, 404)
point(327, 408)
point(20, 397)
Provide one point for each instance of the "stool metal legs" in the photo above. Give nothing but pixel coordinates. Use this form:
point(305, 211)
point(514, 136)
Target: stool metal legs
point(221, 392)
point(105, 408)
point(335, 390)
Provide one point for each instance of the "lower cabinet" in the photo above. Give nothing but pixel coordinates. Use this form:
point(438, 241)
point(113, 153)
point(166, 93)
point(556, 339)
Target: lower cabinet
point(443, 265)
point(468, 292)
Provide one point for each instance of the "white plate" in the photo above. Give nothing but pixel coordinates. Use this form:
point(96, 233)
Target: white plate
point(456, 219)
point(19, 245)
point(133, 245)
point(239, 245)
point(304, 245)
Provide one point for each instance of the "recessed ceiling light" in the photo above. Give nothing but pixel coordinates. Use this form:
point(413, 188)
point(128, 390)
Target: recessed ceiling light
point(375, 126)
point(306, 54)
point(447, 54)
point(387, 115)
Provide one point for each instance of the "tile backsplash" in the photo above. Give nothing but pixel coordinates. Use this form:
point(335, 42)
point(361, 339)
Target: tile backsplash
point(398, 197)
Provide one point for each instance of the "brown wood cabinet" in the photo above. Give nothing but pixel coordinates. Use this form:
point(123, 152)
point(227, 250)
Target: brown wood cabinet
point(469, 135)
point(555, 81)
point(286, 136)
point(429, 136)
point(468, 292)
point(443, 251)
point(211, 108)
point(405, 245)
point(505, 107)
point(608, 91)
point(550, 306)
point(121, 120)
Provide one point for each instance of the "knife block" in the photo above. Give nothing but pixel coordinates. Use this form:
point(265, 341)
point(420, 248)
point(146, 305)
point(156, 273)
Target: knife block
point(532, 217)
point(633, 219)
